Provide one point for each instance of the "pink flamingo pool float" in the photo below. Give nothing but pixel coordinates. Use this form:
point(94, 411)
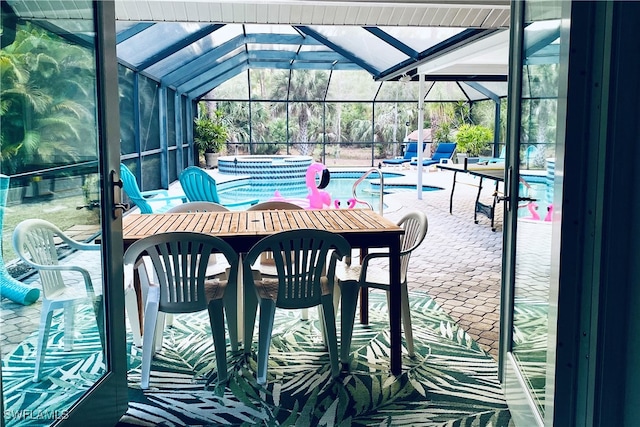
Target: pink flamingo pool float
point(317, 198)
point(351, 203)
point(533, 207)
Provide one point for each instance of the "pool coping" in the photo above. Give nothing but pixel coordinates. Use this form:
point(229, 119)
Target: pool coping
point(398, 180)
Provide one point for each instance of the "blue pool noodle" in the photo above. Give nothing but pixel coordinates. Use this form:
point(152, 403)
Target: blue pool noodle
point(9, 287)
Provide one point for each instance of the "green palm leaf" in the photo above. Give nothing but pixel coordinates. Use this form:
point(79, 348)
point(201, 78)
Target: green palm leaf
point(450, 382)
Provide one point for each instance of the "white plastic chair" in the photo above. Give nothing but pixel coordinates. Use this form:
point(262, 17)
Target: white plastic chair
point(300, 259)
point(217, 268)
point(198, 207)
point(353, 277)
point(179, 261)
point(272, 205)
point(266, 264)
point(34, 242)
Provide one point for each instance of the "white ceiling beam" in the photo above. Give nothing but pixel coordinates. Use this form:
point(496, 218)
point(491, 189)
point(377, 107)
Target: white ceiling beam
point(491, 52)
point(419, 13)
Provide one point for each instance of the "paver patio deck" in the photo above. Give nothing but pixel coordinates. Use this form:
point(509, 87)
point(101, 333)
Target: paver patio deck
point(459, 264)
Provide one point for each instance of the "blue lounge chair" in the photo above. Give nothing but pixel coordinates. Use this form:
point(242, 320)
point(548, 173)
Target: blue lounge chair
point(143, 199)
point(443, 154)
point(199, 186)
point(410, 153)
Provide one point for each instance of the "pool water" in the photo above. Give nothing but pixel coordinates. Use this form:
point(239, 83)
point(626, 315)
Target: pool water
point(340, 188)
point(544, 198)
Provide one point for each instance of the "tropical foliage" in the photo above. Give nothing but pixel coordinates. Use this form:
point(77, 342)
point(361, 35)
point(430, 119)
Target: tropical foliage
point(530, 335)
point(316, 114)
point(47, 102)
point(301, 87)
point(450, 381)
point(210, 131)
point(539, 107)
point(473, 139)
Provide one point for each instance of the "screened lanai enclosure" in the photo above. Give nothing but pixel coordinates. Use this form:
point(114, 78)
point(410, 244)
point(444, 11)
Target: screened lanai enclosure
point(337, 88)
point(341, 94)
point(318, 90)
point(348, 84)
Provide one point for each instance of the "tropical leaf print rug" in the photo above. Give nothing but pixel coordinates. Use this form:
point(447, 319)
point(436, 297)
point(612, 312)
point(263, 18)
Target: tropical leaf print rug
point(450, 381)
point(66, 375)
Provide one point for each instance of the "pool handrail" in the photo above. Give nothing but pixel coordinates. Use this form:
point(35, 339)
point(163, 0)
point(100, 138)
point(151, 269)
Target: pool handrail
point(362, 178)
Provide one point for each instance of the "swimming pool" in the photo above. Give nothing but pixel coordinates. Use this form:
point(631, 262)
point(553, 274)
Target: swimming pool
point(540, 190)
point(340, 188)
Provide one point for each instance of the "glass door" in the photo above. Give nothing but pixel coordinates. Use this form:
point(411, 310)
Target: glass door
point(62, 338)
point(530, 265)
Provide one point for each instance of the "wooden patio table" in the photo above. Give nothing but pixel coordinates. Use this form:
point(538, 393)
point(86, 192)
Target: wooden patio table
point(362, 228)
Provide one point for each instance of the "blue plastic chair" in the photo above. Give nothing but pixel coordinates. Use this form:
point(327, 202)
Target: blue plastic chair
point(490, 160)
point(11, 288)
point(443, 154)
point(179, 262)
point(143, 199)
point(300, 258)
point(199, 186)
point(410, 153)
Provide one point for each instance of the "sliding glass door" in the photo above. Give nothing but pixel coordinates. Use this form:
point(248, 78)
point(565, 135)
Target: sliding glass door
point(530, 276)
point(62, 332)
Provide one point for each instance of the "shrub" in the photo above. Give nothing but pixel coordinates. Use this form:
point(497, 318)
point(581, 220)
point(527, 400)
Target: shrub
point(441, 132)
point(210, 133)
point(473, 139)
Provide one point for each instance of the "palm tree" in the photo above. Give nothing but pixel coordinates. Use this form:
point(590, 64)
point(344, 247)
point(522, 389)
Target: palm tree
point(48, 96)
point(301, 89)
point(385, 128)
point(237, 115)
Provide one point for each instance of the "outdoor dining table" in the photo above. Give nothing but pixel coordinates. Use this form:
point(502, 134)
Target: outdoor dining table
point(362, 228)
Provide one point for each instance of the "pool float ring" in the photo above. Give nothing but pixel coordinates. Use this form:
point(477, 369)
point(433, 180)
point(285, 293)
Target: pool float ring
point(277, 197)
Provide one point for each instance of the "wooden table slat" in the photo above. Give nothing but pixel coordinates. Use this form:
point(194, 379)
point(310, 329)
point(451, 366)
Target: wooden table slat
point(145, 223)
point(363, 221)
point(257, 222)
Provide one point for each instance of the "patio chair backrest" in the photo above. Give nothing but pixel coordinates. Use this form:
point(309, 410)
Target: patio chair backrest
point(300, 258)
point(130, 186)
point(34, 242)
point(272, 205)
point(412, 150)
point(198, 207)
point(198, 185)
point(445, 150)
point(415, 226)
point(180, 261)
